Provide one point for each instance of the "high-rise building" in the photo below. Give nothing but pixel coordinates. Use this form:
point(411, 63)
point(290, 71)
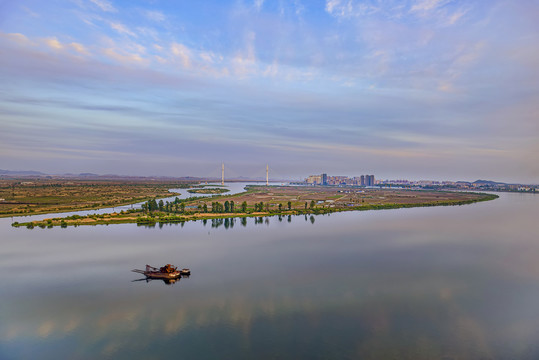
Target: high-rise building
point(362, 180)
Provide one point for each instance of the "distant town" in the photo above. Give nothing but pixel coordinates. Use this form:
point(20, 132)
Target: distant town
point(369, 180)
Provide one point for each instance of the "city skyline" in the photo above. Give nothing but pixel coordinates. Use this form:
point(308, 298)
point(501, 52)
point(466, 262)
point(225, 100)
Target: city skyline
point(419, 89)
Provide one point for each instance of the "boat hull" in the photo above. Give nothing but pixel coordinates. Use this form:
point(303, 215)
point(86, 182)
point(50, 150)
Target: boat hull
point(160, 275)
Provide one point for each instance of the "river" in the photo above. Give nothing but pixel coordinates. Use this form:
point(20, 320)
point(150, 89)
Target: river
point(458, 282)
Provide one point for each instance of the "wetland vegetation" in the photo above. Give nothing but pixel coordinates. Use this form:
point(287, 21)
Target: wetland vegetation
point(259, 201)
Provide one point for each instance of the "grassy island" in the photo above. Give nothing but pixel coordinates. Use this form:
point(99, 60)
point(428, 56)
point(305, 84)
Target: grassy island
point(259, 201)
point(42, 196)
point(208, 191)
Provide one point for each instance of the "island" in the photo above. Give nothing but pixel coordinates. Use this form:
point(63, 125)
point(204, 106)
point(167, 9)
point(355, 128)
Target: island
point(260, 201)
point(205, 190)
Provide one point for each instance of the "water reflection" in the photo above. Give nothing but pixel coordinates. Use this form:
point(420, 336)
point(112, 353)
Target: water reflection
point(426, 283)
point(165, 281)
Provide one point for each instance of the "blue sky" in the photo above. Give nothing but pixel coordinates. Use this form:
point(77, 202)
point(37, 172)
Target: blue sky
point(418, 89)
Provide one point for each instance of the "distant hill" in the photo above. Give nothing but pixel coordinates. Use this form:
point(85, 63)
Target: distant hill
point(18, 172)
point(488, 182)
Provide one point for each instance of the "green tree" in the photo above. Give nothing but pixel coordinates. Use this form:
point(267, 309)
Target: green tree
point(227, 206)
point(290, 205)
point(232, 206)
point(305, 205)
point(152, 205)
point(244, 207)
point(205, 208)
point(280, 207)
point(312, 204)
point(161, 205)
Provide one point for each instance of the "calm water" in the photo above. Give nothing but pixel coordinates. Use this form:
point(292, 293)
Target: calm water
point(427, 283)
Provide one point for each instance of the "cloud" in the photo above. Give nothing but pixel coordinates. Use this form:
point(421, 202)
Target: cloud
point(439, 11)
point(125, 58)
point(425, 6)
point(53, 43)
point(122, 29)
point(456, 16)
point(30, 12)
point(209, 57)
point(331, 5)
point(104, 5)
point(350, 8)
point(79, 48)
point(182, 52)
point(244, 62)
point(258, 4)
point(155, 15)
point(17, 38)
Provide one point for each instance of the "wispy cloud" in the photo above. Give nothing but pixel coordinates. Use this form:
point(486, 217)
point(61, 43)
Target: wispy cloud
point(258, 4)
point(426, 6)
point(350, 8)
point(122, 29)
point(104, 5)
point(124, 58)
point(30, 12)
point(181, 52)
point(81, 49)
point(155, 15)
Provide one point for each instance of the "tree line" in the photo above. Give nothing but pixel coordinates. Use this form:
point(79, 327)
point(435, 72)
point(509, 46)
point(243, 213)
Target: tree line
point(178, 206)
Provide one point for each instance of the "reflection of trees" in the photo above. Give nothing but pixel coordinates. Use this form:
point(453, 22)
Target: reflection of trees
point(229, 222)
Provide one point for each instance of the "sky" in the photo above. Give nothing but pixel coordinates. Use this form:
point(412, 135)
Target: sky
point(403, 89)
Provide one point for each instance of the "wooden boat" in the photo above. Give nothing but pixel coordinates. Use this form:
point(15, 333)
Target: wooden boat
point(166, 272)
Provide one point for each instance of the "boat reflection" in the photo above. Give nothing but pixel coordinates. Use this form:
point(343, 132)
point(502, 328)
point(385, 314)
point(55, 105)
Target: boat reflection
point(166, 281)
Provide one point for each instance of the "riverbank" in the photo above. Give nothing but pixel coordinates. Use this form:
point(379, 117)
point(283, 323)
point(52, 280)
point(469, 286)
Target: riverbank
point(278, 201)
